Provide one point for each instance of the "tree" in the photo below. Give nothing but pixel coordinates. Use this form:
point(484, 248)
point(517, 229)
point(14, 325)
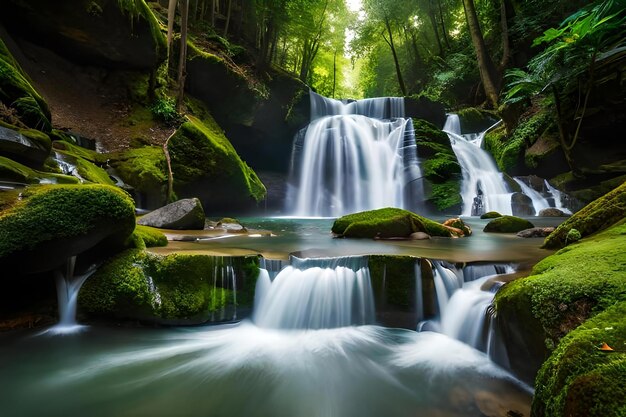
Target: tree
point(182, 74)
point(171, 15)
point(486, 68)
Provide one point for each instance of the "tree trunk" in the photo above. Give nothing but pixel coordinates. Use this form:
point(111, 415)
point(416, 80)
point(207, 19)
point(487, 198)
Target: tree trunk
point(230, 6)
point(212, 14)
point(334, 72)
point(171, 15)
point(433, 22)
point(444, 32)
point(485, 64)
point(182, 67)
point(506, 48)
point(395, 56)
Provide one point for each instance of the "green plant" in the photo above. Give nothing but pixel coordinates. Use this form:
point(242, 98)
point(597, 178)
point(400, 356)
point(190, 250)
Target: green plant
point(164, 108)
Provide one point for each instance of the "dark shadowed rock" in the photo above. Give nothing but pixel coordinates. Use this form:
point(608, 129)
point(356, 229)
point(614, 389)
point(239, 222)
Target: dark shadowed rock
point(31, 147)
point(551, 212)
point(536, 232)
point(522, 205)
point(183, 214)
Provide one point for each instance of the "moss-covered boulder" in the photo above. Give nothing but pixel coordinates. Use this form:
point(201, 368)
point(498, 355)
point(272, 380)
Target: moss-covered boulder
point(490, 215)
point(563, 291)
point(441, 169)
point(205, 165)
point(146, 237)
point(507, 224)
point(51, 223)
point(17, 93)
point(27, 146)
point(583, 377)
point(596, 216)
point(475, 120)
point(386, 223)
point(15, 172)
point(173, 289)
point(105, 33)
point(84, 164)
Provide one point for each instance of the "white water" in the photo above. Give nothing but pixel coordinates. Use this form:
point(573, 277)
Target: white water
point(556, 195)
point(354, 157)
point(483, 188)
point(316, 294)
point(68, 285)
point(539, 202)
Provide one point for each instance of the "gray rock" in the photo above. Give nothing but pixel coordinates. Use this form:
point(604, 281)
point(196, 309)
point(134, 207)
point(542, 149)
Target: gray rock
point(185, 214)
point(536, 232)
point(522, 205)
point(26, 150)
point(551, 212)
point(419, 236)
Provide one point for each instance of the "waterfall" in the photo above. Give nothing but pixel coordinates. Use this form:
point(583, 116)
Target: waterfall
point(354, 156)
point(557, 197)
point(224, 281)
point(68, 285)
point(483, 188)
point(316, 294)
point(539, 202)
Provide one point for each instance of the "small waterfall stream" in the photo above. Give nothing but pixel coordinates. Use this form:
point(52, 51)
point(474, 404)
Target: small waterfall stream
point(354, 156)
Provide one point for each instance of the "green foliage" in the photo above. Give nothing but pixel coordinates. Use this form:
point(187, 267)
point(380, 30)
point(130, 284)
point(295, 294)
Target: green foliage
point(594, 217)
point(507, 224)
point(385, 223)
point(54, 212)
point(148, 237)
point(164, 109)
point(446, 195)
point(572, 236)
point(579, 379)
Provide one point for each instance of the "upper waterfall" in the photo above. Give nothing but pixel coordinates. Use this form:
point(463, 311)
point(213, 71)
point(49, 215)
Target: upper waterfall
point(354, 156)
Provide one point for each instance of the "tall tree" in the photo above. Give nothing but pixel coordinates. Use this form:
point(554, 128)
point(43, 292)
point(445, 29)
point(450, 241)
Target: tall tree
point(485, 64)
point(182, 67)
point(171, 15)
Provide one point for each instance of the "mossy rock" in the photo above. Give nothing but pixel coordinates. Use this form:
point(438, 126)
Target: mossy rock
point(507, 224)
point(119, 34)
point(596, 216)
point(206, 165)
point(475, 120)
point(14, 171)
point(445, 196)
point(17, 92)
point(563, 291)
point(491, 215)
point(51, 223)
point(28, 146)
point(459, 226)
point(172, 289)
point(579, 379)
point(386, 223)
point(85, 169)
point(146, 237)
point(507, 151)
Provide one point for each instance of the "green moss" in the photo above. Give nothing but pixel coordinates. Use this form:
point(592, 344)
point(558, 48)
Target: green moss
point(578, 281)
point(149, 236)
point(49, 213)
point(393, 277)
point(507, 224)
point(79, 151)
point(491, 215)
point(386, 222)
point(14, 171)
point(474, 120)
point(578, 379)
point(441, 167)
point(17, 92)
point(40, 138)
point(200, 150)
point(426, 132)
point(596, 216)
point(138, 9)
point(167, 289)
point(143, 168)
point(446, 195)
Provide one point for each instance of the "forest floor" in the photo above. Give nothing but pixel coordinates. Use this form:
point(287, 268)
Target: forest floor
point(90, 102)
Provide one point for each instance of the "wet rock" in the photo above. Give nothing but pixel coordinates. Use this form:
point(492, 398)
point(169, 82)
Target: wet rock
point(183, 214)
point(507, 224)
point(491, 215)
point(419, 236)
point(460, 225)
point(522, 205)
point(551, 212)
point(536, 232)
point(30, 147)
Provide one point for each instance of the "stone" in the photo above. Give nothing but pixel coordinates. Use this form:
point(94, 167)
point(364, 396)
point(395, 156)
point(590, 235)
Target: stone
point(183, 214)
point(507, 224)
point(419, 236)
point(522, 205)
point(458, 224)
point(551, 212)
point(536, 232)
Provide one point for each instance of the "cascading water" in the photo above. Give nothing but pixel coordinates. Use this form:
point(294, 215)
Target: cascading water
point(539, 202)
point(483, 187)
point(316, 294)
point(354, 157)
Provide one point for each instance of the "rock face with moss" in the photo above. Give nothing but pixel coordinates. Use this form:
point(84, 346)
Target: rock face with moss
point(105, 33)
point(475, 120)
point(52, 223)
point(596, 216)
point(173, 289)
point(27, 146)
point(183, 214)
point(206, 165)
point(386, 223)
point(441, 169)
point(507, 224)
point(17, 93)
point(563, 291)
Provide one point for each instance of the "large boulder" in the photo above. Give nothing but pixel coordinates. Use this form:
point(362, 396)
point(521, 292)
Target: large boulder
point(594, 217)
point(106, 33)
point(206, 165)
point(386, 223)
point(507, 224)
point(183, 214)
point(173, 289)
point(17, 93)
point(12, 171)
point(522, 205)
point(28, 146)
point(51, 223)
point(536, 232)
